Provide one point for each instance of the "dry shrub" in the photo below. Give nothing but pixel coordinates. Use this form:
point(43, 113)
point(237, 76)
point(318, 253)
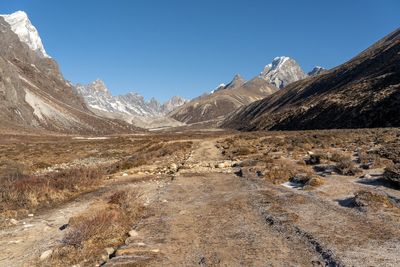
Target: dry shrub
point(392, 174)
point(102, 228)
point(89, 234)
point(390, 151)
point(366, 199)
point(149, 154)
point(242, 151)
point(23, 191)
point(371, 160)
point(344, 164)
point(279, 174)
point(315, 181)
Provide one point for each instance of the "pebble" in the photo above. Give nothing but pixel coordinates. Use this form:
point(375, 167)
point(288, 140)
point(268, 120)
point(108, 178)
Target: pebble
point(220, 165)
point(133, 233)
point(45, 255)
point(124, 174)
point(14, 221)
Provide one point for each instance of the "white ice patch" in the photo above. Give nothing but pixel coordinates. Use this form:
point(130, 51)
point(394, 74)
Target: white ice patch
point(292, 185)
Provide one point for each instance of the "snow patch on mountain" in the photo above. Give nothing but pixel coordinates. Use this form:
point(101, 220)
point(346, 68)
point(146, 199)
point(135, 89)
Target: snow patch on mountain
point(27, 33)
point(316, 71)
point(282, 71)
point(97, 96)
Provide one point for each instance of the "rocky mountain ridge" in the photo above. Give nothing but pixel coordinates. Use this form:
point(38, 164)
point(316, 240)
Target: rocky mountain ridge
point(98, 97)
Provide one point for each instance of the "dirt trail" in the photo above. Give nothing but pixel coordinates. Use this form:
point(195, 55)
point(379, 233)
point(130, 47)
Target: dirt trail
point(208, 219)
point(211, 217)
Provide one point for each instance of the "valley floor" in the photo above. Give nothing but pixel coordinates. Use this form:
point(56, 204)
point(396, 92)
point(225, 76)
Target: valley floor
point(226, 201)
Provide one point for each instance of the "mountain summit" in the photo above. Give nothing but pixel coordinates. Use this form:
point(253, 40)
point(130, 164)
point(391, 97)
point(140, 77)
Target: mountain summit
point(27, 33)
point(282, 71)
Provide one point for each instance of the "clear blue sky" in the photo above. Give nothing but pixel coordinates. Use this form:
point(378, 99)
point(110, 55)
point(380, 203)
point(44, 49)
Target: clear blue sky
point(186, 47)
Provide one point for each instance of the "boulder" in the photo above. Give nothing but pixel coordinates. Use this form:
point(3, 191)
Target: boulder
point(313, 159)
point(392, 174)
point(301, 178)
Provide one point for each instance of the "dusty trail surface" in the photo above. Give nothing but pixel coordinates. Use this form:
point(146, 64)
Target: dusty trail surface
point(208, 214)
point(208, 219)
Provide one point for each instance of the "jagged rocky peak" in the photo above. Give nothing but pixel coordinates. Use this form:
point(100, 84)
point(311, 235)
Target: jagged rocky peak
point(27, 33)
point(154, 104)
point(99, 86)
point(316, 71)
point(173, 103)
point(282, 71)
point(236, 82)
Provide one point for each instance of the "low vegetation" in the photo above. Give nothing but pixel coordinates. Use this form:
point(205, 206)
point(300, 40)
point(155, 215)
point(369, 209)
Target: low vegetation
point(22, 193)
point(372, 200)
point(91, 237)
point(34, 178)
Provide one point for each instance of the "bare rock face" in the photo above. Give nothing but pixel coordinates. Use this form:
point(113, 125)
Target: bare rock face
point(361, 93)
point(33, 92)
point(282, 71)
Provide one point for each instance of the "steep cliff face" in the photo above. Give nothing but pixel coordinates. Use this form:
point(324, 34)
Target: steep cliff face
point(363, 92)
point(34, 94)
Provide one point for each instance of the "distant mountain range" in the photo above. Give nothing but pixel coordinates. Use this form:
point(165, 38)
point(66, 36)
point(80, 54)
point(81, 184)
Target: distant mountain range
point(227, 98)
point(98, 97)
point(363, 92)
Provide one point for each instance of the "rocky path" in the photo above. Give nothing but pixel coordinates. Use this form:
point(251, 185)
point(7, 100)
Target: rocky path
point(209, 219)
point(208, 216)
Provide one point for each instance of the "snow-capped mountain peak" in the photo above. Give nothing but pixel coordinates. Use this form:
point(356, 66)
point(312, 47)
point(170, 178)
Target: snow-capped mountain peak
point(27, 33)
point(282, 71)
point(97, 96)
point(316, 71)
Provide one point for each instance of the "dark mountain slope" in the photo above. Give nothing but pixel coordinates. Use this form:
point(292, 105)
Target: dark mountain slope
point(363, 92)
